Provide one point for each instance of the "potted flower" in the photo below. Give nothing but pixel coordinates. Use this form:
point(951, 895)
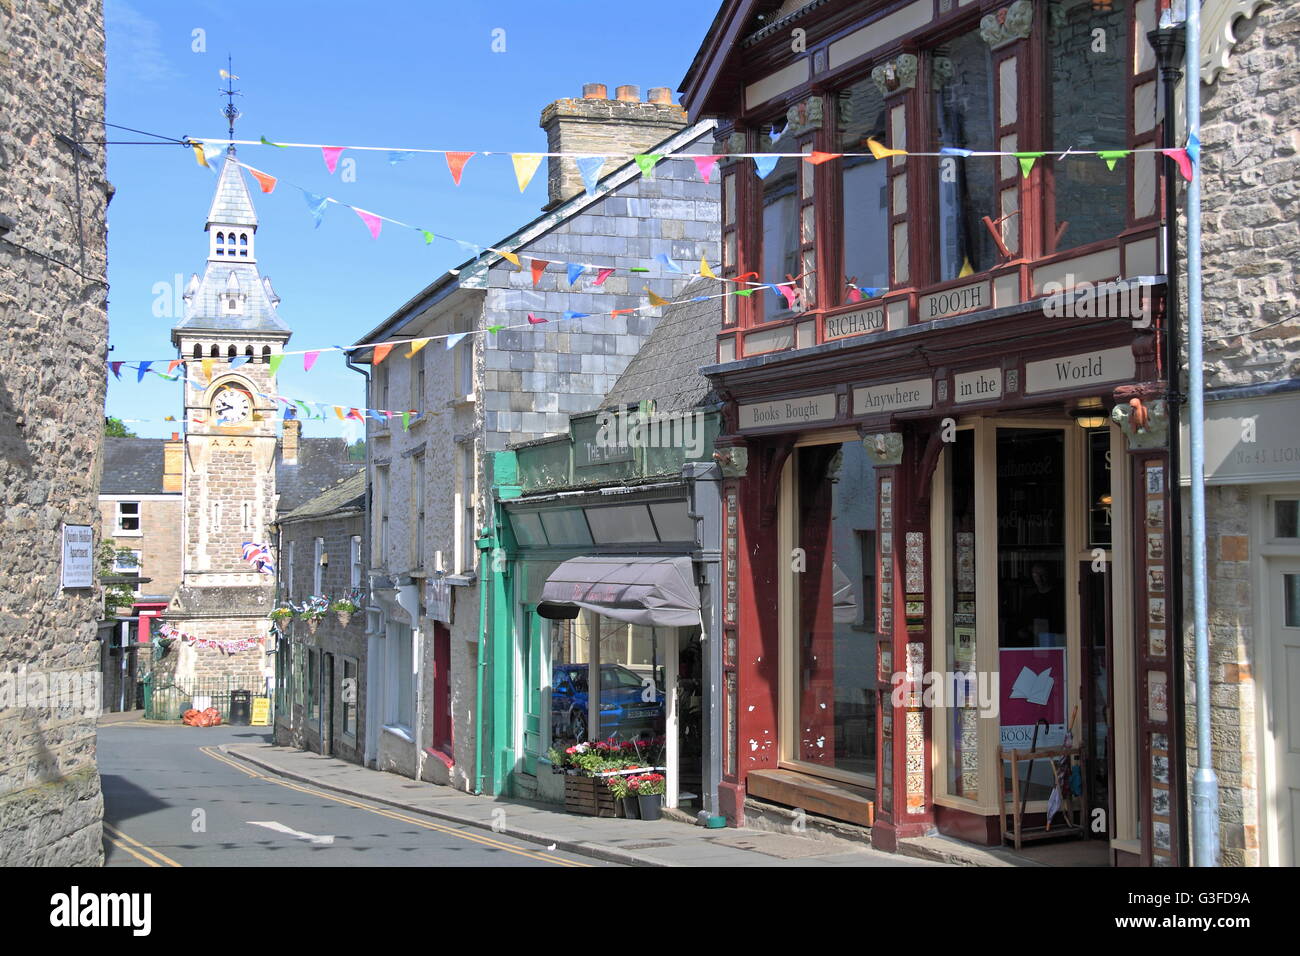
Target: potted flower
point(649, 789)
point(623, 797)
point(344, 608)
point(280, 616)
point(312, 612)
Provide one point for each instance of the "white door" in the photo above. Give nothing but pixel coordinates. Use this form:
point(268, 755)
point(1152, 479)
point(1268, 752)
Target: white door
point(1282, 707)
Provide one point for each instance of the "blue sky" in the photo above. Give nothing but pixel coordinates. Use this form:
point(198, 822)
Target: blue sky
point(377, 73)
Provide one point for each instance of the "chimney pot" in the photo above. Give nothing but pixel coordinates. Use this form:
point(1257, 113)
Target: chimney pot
point(661, 94)
point(595, 91)
point(176, 436)
point(628, 94)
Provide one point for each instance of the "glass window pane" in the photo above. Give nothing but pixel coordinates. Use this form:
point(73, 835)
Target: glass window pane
point(624, 524)
point(1291, 595)
point(672, 521)
point(780, 223)
point(1286, 518)
point(963, 727)
point(863, 183)
point(966, 187)
point(1099, 495)
point(528, 529)
point(565, 527)
point(1091, 200)
point(835, 706)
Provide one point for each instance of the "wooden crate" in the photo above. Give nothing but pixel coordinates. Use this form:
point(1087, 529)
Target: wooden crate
point(588, 796)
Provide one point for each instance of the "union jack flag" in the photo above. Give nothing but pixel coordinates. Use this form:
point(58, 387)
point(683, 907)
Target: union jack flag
point(259, 556)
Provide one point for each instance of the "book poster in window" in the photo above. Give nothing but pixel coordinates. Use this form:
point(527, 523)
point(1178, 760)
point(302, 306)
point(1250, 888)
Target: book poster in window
point(1032, 686)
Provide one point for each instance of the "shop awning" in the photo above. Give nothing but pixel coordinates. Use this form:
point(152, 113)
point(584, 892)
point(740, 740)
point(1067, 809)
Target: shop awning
point(652, 591)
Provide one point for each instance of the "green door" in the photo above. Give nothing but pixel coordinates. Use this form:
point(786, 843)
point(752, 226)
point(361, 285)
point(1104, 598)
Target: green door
point(534, 655)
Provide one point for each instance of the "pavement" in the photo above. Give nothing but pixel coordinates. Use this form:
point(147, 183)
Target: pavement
point(628, 842)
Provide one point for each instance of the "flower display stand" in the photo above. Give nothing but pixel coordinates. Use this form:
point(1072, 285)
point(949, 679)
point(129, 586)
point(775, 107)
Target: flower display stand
point(587, 796)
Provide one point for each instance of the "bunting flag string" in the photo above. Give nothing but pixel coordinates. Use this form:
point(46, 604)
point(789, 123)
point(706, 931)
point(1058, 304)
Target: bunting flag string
point(225, 645)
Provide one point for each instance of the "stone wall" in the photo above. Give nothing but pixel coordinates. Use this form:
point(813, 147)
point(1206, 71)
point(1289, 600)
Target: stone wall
point(53, 300)
point(1250, 123)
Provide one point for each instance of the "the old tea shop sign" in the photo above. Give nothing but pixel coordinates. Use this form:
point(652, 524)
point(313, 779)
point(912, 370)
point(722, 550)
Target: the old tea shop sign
point(790, 411)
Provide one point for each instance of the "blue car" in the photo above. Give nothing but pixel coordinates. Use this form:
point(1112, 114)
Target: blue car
point(624, 709)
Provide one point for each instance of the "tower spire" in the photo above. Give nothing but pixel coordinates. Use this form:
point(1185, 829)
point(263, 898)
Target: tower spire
point(230, 93)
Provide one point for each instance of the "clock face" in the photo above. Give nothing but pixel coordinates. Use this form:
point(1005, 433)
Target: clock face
point(232, 406)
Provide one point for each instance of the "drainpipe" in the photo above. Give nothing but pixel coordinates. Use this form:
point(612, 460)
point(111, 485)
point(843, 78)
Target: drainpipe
point(484, 543)
point(1169, 43)
point(1205, 786)
point(368, 754)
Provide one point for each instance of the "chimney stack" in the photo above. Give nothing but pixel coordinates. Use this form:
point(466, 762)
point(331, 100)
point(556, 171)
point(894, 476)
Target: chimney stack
point(173, 463)
point(596, 125)
point(289, 441)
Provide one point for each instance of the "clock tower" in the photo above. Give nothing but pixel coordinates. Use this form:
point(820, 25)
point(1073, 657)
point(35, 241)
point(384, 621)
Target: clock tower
point(227, 337)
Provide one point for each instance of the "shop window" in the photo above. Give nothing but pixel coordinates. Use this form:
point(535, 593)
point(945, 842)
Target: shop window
point(780, 223)
point(401, 678)
point(128, 562)
point(349, 697)
point(864, 185)
point(127, 519)
point(570, 653)
point(1090, 200)
point(1286, 518)
point(962, 114)
point(835, 642)
point(310, 704)
point(963, 730)
point(1099, 488)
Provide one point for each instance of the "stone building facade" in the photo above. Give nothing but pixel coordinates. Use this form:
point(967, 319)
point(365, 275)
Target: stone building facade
point(321, 677)
point(53, 297)
point(1250, 74)
point(487, 391)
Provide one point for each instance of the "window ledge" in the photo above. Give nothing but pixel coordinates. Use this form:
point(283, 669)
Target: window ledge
point(128, 534)
point(461, 580)
point(400, 732)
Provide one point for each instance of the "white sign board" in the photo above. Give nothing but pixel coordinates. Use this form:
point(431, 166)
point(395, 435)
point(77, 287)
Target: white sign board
point(894, 397)
point(78, 556)
point(792, 411)
point(977, 386)
point(1075, 371)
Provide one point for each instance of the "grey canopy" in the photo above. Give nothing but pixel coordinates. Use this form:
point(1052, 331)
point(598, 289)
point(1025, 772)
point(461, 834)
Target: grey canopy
point(641, 589)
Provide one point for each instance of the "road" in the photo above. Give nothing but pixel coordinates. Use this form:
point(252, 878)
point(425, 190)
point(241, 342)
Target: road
point(172, 799)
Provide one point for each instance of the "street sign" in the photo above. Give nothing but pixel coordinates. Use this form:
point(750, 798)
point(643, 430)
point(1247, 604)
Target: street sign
point(261, 712)
point(78, 556)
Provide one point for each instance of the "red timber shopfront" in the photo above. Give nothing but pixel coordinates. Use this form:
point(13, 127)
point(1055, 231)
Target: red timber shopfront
point(947, 470)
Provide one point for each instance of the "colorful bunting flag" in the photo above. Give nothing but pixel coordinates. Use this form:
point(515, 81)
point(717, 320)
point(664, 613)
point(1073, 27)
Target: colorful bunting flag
point(539, 266)
point(880, 151)
point(570, 314)
point(574, 270)
point(647, 163)
point(744, 292)
point(763, 165)
point(264, 180)
point(456, 163)
point(267, 142)
point(602, 275)
point(494, 329)
point(141, 369)
point(331, 156)
point(428, 236)
point(663, 260)
point(1194, 147)
point(308, 360)
point(454, 338)
point(1027, 161)
point(373, 223)
point(816, 158)
point(705, 165)
point(955, 151)
point(509, 257)
point(207, 368)
point(406, 421)
point(381, 352)
point(589, 168)
point(416, 345)
point(198, 155)
point(705, 270)
point(396, 156)
point(239, 360)
point(116, 369)
point(171, 366)
point(1112, 156)
point(1184, 161)
point(316, 204)
point(356, 413)
point(655, 300)
point(534, 320)
point(525, 166)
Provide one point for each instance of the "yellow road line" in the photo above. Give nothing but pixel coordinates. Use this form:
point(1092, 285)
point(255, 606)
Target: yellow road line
point(138, 845)
point(390, 814)
point(122, 846)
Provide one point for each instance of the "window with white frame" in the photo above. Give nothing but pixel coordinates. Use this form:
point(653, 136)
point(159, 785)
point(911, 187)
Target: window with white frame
point(318, 567)
point(417, 511)
point(355, 562)
point(288, 572)
point(127, 519)
point(465, 369)
point(380, 556)
point(126, 561)
point(468, 547)
point(401, 707)
point(381, 386)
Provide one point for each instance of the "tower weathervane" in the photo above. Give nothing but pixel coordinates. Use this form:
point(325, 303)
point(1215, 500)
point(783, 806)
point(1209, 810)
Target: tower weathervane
point(229, 111)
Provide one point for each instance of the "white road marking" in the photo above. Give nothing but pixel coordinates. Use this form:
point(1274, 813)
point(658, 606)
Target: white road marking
point(281, 828)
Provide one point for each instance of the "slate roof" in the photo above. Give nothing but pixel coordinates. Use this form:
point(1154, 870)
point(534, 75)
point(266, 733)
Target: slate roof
point(667, 368)
point(133, 466)
point(348, 495)
point(322, 463)
point(231, 206)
